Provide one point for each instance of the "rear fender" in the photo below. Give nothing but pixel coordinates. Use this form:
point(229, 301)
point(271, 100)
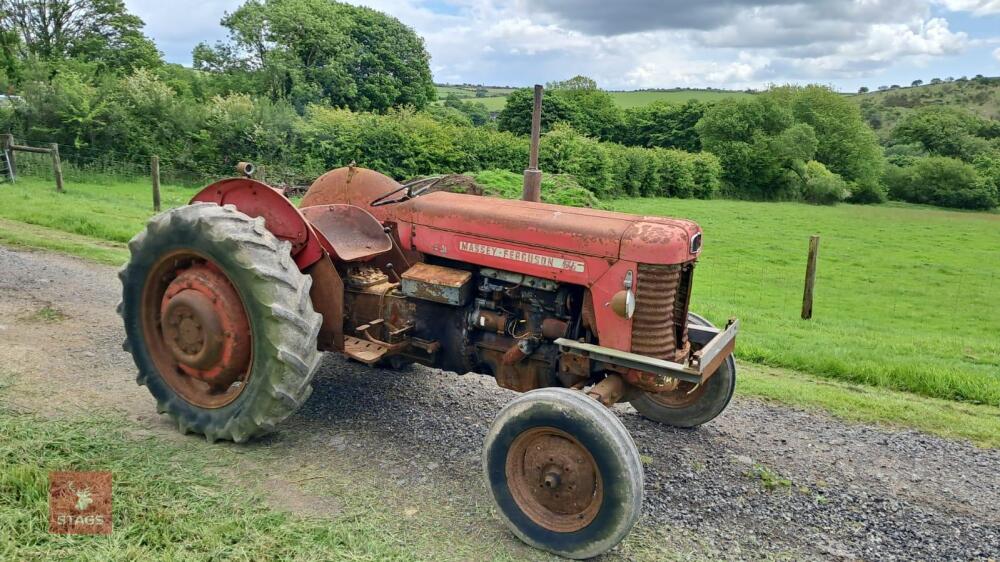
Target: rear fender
point(284, 220)
point(257, 199)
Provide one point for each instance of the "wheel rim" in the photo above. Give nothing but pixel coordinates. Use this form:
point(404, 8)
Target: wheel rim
point(197, 329)
point(682, 396)
point(554, 479)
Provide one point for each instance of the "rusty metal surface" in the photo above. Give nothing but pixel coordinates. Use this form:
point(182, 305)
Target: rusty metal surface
point(554, 328)
point(490, 321)
point(711, 356)
point(554, 479)
point(573, 368)
point(653, 333)
point(197, 329)
point(438, 284)
point(364, 351)
point(327, 295)
point(205, 327)
point(683, 394)
point(589, 314)
point(609, 390)
point(610, 357)
point(351, 185)
point(574, 230)
point(350, 233)
point(257, 199)
point(650, 382)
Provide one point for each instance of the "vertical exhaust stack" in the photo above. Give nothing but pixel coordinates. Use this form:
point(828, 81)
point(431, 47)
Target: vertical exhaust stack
point(533, 176)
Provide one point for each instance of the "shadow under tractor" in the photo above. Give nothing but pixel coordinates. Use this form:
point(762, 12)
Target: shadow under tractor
point(229, 301)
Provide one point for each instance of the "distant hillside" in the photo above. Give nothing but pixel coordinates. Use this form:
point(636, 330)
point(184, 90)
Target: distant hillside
point(494, 97)
point(883, 109)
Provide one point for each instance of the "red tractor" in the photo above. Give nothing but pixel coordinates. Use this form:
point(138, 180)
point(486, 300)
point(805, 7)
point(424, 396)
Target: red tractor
point(229, 301)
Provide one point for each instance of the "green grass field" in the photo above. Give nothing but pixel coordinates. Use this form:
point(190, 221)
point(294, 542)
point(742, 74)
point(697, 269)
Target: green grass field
point(497, 97)
point(906, 297)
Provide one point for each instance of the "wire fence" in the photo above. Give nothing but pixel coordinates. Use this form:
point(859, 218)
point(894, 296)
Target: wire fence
point(87, 165)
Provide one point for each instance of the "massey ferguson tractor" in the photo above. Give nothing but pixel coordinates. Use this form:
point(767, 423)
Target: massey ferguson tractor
point(229, 301)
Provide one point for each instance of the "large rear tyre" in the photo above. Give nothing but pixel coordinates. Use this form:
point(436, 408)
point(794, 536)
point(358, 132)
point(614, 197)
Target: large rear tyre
point(563, 472)
point(219, 321)
point(690, 405)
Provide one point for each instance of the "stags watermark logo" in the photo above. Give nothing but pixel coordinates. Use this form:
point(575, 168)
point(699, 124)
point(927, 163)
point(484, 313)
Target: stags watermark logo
point(80, 503)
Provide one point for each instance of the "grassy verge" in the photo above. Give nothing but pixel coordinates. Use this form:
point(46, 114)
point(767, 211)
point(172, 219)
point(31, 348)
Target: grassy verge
point(166, 504)
point(30, 236)
point(979, 424)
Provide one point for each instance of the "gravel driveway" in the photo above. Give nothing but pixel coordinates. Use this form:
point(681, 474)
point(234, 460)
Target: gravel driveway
point(761, 481)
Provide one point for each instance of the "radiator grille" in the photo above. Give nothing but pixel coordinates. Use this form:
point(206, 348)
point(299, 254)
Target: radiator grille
point(659, 326)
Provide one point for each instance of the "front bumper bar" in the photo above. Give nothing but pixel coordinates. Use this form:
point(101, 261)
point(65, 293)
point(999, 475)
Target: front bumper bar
point(717, 345)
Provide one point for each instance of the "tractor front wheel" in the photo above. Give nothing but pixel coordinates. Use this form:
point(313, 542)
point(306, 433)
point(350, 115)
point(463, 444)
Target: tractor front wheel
point(689, 404)
point(564, 473)
point(219, 321)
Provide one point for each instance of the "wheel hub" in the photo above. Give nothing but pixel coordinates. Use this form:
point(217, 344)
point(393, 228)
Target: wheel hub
point(554, 479)
point(204, 327)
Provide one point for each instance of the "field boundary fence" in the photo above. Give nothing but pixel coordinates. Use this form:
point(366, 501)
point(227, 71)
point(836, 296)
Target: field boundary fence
point(87, 165)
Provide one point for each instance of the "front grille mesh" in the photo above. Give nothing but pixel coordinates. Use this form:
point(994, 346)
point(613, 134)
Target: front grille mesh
point(659, 326)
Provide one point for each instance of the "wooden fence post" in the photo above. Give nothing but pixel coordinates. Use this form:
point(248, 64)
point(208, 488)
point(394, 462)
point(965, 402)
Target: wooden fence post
point(57, 167)
point(154, 166)
point(8, 142)
point(532, 190)
point(807, 294)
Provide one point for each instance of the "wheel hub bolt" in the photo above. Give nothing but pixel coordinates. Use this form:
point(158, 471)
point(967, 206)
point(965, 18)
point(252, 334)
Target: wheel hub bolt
point(552, 480)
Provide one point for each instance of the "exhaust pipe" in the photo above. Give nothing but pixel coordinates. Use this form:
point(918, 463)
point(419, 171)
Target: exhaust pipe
point(533, 176)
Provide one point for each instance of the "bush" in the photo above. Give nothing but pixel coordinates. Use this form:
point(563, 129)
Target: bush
point(943, 181)
point(675, 173)
point(564, 151)
point(557, 189)
point(823, 187)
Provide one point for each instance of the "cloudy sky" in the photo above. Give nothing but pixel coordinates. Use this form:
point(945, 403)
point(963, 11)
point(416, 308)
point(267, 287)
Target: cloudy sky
point(629, 44)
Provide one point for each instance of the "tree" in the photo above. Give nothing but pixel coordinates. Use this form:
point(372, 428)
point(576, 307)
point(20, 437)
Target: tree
point(476, 112)
point(595, 112)
point(99, 31)
point(846, 144)
point(763, 152)
point(516, 114)
point(938, 180)
point(663, 124)
point(943, 130)
point(575, 83)
point(916, 83)
point(863, 90)
point(324, 51)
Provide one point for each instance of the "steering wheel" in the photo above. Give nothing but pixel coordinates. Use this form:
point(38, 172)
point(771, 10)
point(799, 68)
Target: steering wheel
point(412, 188)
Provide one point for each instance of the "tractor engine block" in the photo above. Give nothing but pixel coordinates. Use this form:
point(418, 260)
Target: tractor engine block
point(464, 319)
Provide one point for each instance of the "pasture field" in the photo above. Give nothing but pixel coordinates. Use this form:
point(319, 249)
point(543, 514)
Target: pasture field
point(497, 97)
point(907, 298)
point(627, 100)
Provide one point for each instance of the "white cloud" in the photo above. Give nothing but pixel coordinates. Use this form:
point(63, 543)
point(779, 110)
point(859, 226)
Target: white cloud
point(639, 43)
point(996, 54)
point(977, 7)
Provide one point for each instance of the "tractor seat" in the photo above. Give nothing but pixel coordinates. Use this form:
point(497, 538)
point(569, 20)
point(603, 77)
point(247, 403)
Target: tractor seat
point(350, 233)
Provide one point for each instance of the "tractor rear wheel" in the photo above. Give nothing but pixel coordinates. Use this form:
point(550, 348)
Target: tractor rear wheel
point(689, 404)
point(564, 473)
point(219, 321)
